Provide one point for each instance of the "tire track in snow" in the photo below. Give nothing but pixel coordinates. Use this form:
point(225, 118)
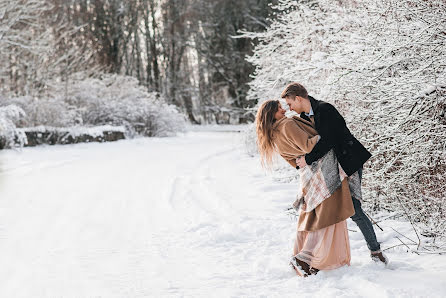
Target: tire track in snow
point(193, 190)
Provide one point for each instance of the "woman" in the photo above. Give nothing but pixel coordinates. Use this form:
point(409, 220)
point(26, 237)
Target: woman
point(324, 197)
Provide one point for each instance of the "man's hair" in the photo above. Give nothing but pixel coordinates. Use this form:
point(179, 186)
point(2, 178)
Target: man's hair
point(294, 89)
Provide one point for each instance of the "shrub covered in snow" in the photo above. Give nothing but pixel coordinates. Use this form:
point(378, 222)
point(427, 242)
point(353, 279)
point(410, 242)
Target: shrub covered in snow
point(9, 134)
point(381, 63)
point(108, 100)
point(48, 111)
point(120, 100)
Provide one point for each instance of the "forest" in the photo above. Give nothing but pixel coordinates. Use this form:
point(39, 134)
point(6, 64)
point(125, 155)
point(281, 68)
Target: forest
point(132, 135)
point(181, 55)
point(148, 67)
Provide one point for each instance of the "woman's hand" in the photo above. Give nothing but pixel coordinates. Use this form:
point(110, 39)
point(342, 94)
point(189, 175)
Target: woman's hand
point(300, 161)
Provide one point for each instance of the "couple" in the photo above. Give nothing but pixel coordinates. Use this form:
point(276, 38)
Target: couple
point(330, 160)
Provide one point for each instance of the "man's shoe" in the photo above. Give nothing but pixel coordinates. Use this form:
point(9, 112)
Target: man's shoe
point(379, 256)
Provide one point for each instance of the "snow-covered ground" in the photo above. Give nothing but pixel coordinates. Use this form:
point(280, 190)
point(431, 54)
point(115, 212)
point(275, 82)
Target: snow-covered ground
point(187, 216)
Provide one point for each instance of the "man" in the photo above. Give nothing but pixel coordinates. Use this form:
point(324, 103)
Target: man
point(351, 154)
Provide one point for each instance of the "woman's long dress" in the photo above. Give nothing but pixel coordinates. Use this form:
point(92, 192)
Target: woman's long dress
point(324, 249)
point(322, 237)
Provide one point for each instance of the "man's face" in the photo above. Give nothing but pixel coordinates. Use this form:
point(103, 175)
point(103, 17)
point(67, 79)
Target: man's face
point(295, 103)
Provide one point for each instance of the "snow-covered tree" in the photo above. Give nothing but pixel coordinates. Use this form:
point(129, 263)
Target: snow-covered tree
point(381, 63)
point(38, 43)
point(398, 102)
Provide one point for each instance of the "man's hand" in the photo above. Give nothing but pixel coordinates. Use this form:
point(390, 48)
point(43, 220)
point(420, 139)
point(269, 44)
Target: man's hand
point(300, 161)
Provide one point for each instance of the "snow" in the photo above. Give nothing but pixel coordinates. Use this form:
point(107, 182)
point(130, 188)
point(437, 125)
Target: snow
point(218, 127)
point(185, 216)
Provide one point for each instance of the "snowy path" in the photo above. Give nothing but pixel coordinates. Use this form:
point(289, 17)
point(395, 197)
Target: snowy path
point(190, 216)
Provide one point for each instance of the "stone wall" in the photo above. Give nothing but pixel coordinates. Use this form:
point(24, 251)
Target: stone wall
point(52, 136)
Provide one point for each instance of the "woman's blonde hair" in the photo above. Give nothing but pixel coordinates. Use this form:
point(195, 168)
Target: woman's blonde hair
point(264, 128)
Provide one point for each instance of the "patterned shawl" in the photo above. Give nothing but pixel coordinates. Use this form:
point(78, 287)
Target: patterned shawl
point(319, 181)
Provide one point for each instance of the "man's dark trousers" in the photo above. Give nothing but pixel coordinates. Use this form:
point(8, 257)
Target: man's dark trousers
point(364, 223)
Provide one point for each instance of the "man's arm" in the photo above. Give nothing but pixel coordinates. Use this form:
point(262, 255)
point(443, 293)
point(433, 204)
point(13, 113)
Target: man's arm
point(331, 127)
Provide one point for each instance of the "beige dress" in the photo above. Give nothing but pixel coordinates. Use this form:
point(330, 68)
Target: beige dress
point(322, 237)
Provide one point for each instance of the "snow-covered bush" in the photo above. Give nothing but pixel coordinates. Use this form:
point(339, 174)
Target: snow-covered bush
point(120, 100)
point(381, 63)
point(10, 136)
point(109, 100)
point(398, 103)
point(50, 111)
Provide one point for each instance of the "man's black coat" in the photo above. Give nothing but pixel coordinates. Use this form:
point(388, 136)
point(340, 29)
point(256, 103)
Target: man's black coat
point(334, 133)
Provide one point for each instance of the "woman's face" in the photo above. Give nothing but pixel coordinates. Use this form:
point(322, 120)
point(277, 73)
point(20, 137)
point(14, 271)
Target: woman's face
point(280, 113)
